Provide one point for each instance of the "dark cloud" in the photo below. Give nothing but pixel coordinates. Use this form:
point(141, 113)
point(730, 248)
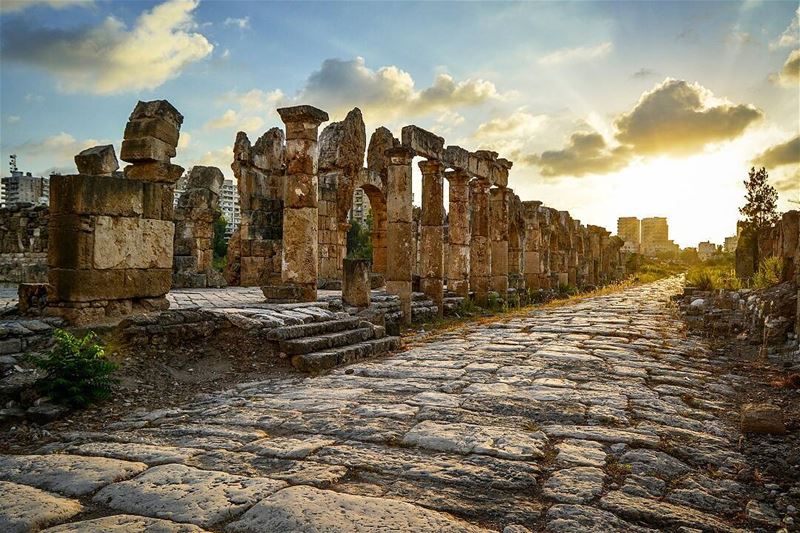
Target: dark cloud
point(681, 118)
point(585, 153)
point(643, 73)
point(787, 153)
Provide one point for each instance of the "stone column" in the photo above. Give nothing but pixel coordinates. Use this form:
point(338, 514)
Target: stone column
point(498, 232)
point(379, 238)
point(533, 245)
point(355, 282)
point(459, 233)
point(432, 233)
point(300, 248)
point(400, 245)
point(480, 252)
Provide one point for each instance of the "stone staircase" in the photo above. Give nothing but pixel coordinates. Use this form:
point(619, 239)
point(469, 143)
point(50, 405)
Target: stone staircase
point(319, 346)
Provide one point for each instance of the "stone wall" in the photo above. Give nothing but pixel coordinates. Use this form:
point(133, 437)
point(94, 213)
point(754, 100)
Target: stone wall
point(112, 238)
point(254, 250)
point(781, 240)
point(198, 208)
point(23, 243)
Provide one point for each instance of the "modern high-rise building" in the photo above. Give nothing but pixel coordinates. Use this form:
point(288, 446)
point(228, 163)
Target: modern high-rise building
point(629, 229)
point(655, 236)
point(22, 187)
point(361, 207)
point(229, 204)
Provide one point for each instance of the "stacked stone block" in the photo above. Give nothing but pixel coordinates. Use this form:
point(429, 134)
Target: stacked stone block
point(112, 238)
point(254, 250)
point(198, 208)
point(300, 253)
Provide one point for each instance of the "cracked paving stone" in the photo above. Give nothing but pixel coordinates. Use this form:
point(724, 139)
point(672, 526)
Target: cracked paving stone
point(564, 518)
point(287, 447)
point(581, 453)
point(186, 494)
point(653, 462)
point(124, 523)
point(580, 484)
point(468, 438)
point(73, 475)
point(308, 509)
point(144, 453)
point(24, 508)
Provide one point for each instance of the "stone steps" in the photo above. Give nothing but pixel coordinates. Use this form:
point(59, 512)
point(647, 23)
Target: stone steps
point(323, 360)
point(326, 341)
point(315, 328)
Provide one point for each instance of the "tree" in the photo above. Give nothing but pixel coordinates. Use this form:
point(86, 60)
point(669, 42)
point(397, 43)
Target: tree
point(359, 239)
point(220, 245)
point(760, 212)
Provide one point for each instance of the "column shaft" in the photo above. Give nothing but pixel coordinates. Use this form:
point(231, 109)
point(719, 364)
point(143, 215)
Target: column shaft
point(459, 233)
point(400, 244)
point(432, 233)
point(480, 252)
point(498, 230)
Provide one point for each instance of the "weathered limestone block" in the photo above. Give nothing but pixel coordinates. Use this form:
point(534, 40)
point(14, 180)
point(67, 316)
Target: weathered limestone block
point(155, 171)
point(400, 242)
point(97, 161)
point(459, 232)
point(95, 195)
point(456, 157)
point(342, 144)
point(157, 109)
point(105, 285)
point(299, 260)
point(356, 283)
point(210, 178)
point(424, 143)
point(380, 141)
point(158, 127)
point(146, 149)
point(124, 242)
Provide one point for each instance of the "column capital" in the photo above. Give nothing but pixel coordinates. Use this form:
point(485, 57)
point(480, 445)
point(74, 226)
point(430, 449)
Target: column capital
point(303, 113)
point(457, 176)
point(400, 155)
point(431, 166)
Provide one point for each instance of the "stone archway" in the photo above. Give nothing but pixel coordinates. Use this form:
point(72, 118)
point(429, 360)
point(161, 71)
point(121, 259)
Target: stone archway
point(371, 183)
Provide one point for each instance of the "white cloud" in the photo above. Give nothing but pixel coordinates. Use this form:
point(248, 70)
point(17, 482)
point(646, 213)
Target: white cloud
point(388, 92)
point(790, 36)
point(30, 98)
point(58, 151)
point(789, 75)
point(14, 6)
point(574, 55)
point(232, 119)
point(220, 158)
point(184, 140)
point(518, 124)
point(12, 119)
point(110, 58)
point(242, 23)
point(256, 99)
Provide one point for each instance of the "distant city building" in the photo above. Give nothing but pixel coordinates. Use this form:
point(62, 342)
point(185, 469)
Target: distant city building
point(706, 250)
point(22, 187)
point(629, 229)
point(229, 204)
point(730, 244)
point(655, 236)
point(361, 207)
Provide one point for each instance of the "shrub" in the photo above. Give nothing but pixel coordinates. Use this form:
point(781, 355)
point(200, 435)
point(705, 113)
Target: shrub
point(566, 290)
point(770, 272)
point(701, 279)
point(77, 372)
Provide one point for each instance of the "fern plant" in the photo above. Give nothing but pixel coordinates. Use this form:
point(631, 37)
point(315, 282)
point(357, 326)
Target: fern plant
point(77, 372)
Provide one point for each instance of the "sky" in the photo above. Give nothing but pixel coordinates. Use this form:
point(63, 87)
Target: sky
point(607, 109)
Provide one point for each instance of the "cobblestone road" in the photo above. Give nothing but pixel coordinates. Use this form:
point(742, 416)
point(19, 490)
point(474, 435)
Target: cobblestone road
point(597, 416)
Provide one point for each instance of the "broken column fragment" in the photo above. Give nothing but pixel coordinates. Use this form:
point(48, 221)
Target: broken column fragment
point(355, 283)
point(197, 209)
point(97, 161)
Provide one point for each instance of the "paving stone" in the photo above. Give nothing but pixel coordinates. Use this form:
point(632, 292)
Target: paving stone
point(184, 494)
point(653, 462)
point(24, 508)
point(469, 438)
point(72, 475)
point(309, 509)
point(562, 518)
point(580, 453)
point(145, 453)
point(287, 447)
point(124, 523)
point(580, 484)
